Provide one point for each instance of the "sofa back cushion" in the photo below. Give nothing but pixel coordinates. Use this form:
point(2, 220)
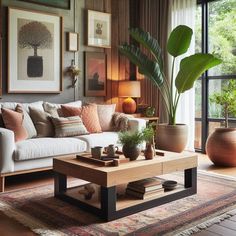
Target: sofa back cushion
point(105, 113)
point(88, 114)
point(13, 120)
point(42, 122)
point(27, 122)
point(70, 126)
point(12, 105)
point(50, 107)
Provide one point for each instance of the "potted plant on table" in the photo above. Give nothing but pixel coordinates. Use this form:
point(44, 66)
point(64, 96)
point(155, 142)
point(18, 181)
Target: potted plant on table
point(221, 144)
point(133, 141)
point(152, 67)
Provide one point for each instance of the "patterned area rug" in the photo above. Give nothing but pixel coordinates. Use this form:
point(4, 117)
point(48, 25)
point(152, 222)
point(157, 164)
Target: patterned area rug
point(45, 215)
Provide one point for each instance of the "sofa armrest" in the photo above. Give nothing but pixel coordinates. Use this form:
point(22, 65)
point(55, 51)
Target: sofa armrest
point(7, 147)
point(136, 124)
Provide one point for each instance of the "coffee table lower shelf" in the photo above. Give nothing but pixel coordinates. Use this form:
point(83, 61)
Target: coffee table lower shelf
point(109, 207)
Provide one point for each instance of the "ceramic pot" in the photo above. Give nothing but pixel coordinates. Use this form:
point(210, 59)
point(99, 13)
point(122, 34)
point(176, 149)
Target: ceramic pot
point(149, 152)
point(221, 147)
point(131, 152)
point(172, 137)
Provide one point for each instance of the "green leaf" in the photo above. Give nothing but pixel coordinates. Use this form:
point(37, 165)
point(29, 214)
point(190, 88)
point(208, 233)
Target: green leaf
point(179, 40)
point(146, 40)
point(147, 67)
point(191, 69)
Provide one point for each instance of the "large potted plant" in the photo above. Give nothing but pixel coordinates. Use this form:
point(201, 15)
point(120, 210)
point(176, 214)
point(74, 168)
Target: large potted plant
point(221, 144)
point(171, 136)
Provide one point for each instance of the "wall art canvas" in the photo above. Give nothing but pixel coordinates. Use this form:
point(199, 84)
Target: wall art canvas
point(99, 29)
point(35, 60)
point(95, 74)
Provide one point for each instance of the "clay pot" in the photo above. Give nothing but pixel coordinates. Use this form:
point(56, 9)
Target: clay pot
point(149, 152)
point(221, 147)
point(131, 152)
point(172, 137)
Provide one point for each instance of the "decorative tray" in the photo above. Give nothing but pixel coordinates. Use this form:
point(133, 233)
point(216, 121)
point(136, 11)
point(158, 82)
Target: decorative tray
point(104, 161)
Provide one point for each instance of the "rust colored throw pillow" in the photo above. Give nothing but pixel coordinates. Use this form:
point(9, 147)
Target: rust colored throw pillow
point(88, 114)
point(14, 121)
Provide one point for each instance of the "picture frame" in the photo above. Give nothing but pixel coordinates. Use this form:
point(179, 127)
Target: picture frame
point(34, 69)
point(72, 41)
point(95, 81)
point(63, 4)
point(98, 29)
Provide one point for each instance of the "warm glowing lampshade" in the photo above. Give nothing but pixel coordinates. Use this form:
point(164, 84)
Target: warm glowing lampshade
point(129, 89)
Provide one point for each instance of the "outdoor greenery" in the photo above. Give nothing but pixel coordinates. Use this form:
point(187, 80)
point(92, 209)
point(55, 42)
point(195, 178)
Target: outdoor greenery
point(227, 99)
point(222, 41)
point(190, 70)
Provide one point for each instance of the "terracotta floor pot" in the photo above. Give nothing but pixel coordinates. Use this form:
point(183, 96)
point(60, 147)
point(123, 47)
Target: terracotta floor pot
point(172, 137)
point(221, 147)
point(131, 152)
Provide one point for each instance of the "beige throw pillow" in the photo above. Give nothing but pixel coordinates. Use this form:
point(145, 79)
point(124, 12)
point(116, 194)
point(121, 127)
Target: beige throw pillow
point(42, 122)
point(105, 113)
point(27, 122)
point(70, 126)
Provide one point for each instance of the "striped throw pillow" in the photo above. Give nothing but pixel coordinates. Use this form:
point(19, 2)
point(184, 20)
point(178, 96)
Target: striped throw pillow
point(69, 126)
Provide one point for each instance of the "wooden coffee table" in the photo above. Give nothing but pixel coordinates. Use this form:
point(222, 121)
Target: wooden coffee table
point(105, 202)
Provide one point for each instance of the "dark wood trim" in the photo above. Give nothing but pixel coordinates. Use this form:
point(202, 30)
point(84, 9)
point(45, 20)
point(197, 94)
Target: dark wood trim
point(2, 183)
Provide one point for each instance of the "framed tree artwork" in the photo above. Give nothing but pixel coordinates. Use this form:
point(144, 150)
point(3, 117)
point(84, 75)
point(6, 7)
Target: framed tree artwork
point(98, 29)
point(34, 52)
point(95, 74)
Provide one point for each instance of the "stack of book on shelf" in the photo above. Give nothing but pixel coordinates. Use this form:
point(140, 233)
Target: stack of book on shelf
point(145, 188)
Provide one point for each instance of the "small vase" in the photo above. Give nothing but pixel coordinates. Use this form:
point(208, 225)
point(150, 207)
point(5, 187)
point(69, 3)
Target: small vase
point(131, 152)
point(149, 152)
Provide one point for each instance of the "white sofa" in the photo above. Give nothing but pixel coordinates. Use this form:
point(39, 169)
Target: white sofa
point(36, 154)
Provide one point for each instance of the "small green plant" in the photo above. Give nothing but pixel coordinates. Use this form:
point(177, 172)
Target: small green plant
point(227, 99)
point(148, 134)
point(136, 138)
point(130, 138)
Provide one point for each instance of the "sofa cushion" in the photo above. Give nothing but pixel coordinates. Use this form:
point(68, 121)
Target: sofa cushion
point(105, 113)
point(47, 147)
point(48, 107)
point(68, 126)
point(88, 114)
point(42, 122)
point(27, 122)
point(14, 121)
point(12, 105)
point(99, 139)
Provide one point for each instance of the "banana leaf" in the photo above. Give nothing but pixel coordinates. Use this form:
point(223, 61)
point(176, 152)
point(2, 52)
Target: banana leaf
point(146, 66)
point(191, 68)
point(179, 40)
point(150, 43)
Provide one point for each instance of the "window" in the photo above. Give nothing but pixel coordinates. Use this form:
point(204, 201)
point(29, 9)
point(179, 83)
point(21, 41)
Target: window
point(215, 33)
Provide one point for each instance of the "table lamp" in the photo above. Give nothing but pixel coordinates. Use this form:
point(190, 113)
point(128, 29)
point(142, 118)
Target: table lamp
point(129, 89)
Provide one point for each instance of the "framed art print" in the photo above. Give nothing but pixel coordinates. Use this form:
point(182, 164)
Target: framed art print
point(72, 41)
point(95, 74)
point(34, 52)
point(99, 29)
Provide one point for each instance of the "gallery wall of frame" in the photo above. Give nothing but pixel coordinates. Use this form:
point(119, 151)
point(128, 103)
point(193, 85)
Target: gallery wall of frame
point(76, 39)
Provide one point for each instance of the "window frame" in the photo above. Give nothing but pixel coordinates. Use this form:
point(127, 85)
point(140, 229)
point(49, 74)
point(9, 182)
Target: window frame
point(205, 78)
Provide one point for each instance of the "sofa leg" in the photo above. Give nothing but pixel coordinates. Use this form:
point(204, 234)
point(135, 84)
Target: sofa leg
point(2, 183)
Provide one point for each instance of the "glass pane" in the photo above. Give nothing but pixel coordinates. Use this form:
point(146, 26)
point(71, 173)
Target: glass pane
point(198, 29)
point(222, 35)
point(198, 99)
point(198, 135)
point(217, 87)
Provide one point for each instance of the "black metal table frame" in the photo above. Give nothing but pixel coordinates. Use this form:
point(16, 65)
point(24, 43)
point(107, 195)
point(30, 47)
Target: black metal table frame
point(108, 197)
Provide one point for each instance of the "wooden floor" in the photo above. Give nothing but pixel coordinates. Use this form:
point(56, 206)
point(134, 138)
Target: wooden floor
point(9, 227)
